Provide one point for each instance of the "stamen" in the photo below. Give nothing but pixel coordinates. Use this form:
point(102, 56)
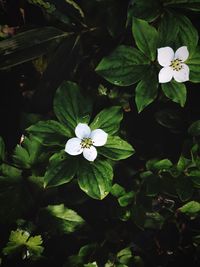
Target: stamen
point(176, 64)
point(86, 143)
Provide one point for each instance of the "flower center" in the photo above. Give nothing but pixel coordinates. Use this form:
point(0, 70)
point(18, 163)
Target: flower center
point(176, 64)
point(86, 143)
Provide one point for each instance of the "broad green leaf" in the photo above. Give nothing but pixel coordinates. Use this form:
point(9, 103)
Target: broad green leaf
point(191, 208)
point(2, 149)
point(187, 35)
point(62, 219)
point(195, 177)
point(194, 128)
point(124, 66)
point(95, 179)
point(146, 37)
point(108, 120)
point(146, 91)
point(147, 10)
point(93, 264)
point(168, 30)
point(175, 91)
point(20, 240)
point(61, 170)
point(70, 106)
point(184, 188)
point(50, 132)
point(194, 66)
point(28, 45)
point(116, 148)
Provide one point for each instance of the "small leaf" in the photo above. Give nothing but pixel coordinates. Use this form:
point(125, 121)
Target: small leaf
point(146, 37)
point(126, 199)
point(19, 240)
point(108, 120)
point(124, 66)
point(194, 128)
point(50, 132)
point(175, 91)
point(62, 219)
point(117, 190)
point(70, 106)
point(191, 208)
point(184, 188)
point(61, 170)
point(116, 149)
point(95, 179)
point(146, 91)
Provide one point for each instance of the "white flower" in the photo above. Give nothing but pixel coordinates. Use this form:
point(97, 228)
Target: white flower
point(85, 142)
point(173, 65)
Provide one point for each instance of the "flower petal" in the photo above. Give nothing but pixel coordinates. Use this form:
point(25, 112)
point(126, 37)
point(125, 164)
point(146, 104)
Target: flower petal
point(182, 53)
point(182, 75)
point(73, 146)
point(99, 137)
point(82, 130)
point(165, 56)
point(90, 153)
point(165, 75)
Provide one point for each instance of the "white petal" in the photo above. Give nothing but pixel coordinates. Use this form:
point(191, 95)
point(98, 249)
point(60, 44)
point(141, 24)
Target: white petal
point(82, 130)
point(90, 153)
point(182, 75)
point(165, 75)
point(99, 137)
point(182, 53)
point(165, 56)
point(73, 146)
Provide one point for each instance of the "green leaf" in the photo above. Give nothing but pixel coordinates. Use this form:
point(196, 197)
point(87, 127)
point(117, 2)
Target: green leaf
point(194, 128)
point(70, 106)
point(19, 240)
point(126, 199)
point(117, 190)
point(50, 132)
point(29, 153)
point(124, 66)
point(108, 120)
point(187, 35)
point(146, 37)
point(147, 10)
point(116, 148)
point(191, 208)
point(76, 6)
point(62, 219)
point(2, 149)
point(124, 256)
point(184, 188)
point(194, 66)
point(175, 91)
point(61, 170)
point(28, 45)
point(146, 91)
point(93, 264)
point(154, 220)
point(168, 30)
point(95, 179)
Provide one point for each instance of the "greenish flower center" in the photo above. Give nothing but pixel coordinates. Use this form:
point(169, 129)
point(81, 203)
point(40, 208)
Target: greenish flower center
point(86, 143)
point(176, 64)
